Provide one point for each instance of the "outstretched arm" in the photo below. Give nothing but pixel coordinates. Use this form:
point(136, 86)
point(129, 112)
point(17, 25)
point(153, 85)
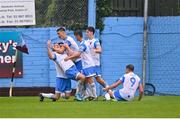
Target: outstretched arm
point(50, 53)
point(140, 92)
point(113, 85)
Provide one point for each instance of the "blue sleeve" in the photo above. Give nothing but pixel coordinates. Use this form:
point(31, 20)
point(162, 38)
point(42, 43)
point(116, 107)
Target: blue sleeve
point(121, 79)
point(96, 44)
point(68, 42)
point(82, 48)
point(140, 82)
point(55, 57)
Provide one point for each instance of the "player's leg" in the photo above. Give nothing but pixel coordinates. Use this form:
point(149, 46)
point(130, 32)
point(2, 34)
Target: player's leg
point(92, 86)
point(79, 90)
point(73, 73)
point(114, 95)
point(78, 65)
point(61, 87)
point(101, 81)
point(52, 96)
point(67, 89)
point(89, 74)
point(98, 76)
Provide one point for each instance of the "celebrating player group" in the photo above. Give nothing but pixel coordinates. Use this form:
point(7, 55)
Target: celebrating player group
point(82, 64)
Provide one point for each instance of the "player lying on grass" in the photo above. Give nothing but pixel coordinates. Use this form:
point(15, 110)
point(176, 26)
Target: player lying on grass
point(87, 63)
point(130, 82)
point(66, 70)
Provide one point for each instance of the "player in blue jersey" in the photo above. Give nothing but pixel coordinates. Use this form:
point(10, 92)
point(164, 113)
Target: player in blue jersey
point(130, 82)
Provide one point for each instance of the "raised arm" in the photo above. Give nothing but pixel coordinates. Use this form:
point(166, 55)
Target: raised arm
point(50, 53)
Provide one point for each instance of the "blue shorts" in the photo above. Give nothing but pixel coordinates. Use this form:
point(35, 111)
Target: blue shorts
point(89, 72)
point(78, 65)
point(97, 70)
point(72, 73)
point(118, 96)
point(63, 85)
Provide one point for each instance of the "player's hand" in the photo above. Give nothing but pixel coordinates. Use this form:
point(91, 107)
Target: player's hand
point(94, 50)
point(66, 46)
point(106, 89)
point(49, 43)
point(66, 59)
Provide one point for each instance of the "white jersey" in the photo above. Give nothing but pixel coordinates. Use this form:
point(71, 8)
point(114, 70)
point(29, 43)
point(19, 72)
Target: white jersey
point(93, 44)
point(130, 84)
point(59, 71)
point(64, 65)
point(72, 44)
point(86, 57)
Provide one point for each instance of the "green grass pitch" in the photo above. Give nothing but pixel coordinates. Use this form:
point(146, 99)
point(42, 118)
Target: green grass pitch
point(157, 106)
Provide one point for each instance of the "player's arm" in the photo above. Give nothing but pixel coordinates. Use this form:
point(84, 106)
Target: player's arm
point(98, 48)
point(140, 91)
point(73, 56)
point(69, 50)
point(50, 53)
point(114, 85)
point(77, 54)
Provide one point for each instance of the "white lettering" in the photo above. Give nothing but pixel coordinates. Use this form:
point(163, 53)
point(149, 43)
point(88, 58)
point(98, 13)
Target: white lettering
point(5, 47)
point(7, 59)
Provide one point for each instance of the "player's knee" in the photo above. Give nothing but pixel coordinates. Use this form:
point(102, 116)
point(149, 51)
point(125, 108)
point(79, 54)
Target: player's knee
point(81, 77)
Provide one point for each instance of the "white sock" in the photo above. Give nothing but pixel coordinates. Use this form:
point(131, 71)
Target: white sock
point(63, 95)
point(47, 95)
point(93, 89)
point(107, 96)
point(88, 91)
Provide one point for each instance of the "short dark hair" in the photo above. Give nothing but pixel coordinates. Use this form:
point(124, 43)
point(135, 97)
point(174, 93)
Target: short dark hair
point(59, 43)
point(61, 29)
point(90, 28)
point(130, 67)
point(78, 32)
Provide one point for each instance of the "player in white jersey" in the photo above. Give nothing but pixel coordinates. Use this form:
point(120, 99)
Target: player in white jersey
point(87, 62)
point(71, 43)
point(95, 49)
point(67, 67)
point(63, 84)
point(130, 82)
point(61, 32)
